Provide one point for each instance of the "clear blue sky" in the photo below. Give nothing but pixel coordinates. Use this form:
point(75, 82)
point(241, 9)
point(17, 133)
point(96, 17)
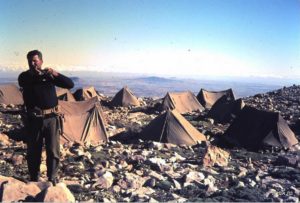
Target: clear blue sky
point(211, 37)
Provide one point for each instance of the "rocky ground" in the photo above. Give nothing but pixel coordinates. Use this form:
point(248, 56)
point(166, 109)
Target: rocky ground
point(128, 169)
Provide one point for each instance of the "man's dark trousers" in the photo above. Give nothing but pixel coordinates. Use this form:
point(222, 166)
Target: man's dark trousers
point(43, 128)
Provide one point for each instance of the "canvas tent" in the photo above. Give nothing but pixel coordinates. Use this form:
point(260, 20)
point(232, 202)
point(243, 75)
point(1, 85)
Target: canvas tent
point(64, 94)
point(224, 110)
point(172, 127)
point(183, 102)
point(254, 129)
point(125, 98)
point(208, 98)
point(83, 121)
point(85, 93)
point(10, 94)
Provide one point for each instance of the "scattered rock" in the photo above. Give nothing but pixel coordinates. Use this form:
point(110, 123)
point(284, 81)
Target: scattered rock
point(17, 159)
point(105, 181)
point(194, 176)
point(215, 156)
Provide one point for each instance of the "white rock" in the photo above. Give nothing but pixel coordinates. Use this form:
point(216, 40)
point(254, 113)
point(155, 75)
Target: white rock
point(105, 180)
point(240, 184)
point(194, 176)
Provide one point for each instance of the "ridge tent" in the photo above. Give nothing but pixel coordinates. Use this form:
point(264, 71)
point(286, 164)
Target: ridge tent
point(10, 94)
point(83, 121)
point(208, 98)
point(85, 93)
point(173, 128)
point(64, 94)
point(125, 98)
point(254, 129)
point(183, 102)
point(224, 110)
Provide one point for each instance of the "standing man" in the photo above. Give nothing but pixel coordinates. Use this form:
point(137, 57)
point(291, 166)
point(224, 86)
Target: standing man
point(44, 122)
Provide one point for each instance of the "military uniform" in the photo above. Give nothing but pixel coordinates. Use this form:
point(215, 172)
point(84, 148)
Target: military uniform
point(43, 120)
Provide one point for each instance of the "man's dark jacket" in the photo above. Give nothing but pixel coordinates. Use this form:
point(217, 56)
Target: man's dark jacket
point(39, 90)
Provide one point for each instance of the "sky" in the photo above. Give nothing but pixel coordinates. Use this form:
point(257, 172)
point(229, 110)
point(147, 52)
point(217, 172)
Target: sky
point(163, 37)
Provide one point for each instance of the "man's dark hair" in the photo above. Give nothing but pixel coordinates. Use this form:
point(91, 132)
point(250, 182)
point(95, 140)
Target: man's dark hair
point(33, 53)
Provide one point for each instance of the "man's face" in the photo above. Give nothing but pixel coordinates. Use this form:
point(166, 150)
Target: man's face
point(35, 63)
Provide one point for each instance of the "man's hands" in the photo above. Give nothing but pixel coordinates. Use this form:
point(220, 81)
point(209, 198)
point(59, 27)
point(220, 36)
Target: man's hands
point(51, 71)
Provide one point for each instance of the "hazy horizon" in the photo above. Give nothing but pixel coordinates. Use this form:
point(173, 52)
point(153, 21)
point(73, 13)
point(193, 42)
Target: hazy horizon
point(99, 75)
point(214, 38)
point(154, 86)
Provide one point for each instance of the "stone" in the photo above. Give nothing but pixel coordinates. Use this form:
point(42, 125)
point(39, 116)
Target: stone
point(251, 182)
point(43, 168)
point(176, 184)
point(176, 158)
point(164, 185)
point(286, 160)
point(272, 193)
point(170, 145)
point(211, 121)
point(17, 159)
point(18, 191)
point(106, 200)
point(58, 193)
point(156, 175)
point(215, 156)
point(296, 191)
point(243, 172)
point(292, 199)
point(177, 198)
point(152, 200)
point(4, 140)
point(240, 184)
point(131, 181)
point(74, 167)
point(277, 187)
point(111, 127)
point(211, 188)
point(143, 191)
point(105, 181)
point(159, 164)
point(194, 176)
point(151, 182)
point(126, 199)
point(116, 189)
point(139, 198)
point(156, 145)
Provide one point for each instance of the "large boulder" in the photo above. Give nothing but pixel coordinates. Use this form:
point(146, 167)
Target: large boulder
point(18, 191)
point(58, 193)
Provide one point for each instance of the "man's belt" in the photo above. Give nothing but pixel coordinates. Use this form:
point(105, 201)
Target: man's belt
point(43, 112)
point(49, 111)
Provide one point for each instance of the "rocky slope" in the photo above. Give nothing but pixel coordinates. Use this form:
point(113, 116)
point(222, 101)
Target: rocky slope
point(132, 170)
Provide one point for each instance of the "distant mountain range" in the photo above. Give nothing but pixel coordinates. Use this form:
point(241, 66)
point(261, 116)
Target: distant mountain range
point(155, 79)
